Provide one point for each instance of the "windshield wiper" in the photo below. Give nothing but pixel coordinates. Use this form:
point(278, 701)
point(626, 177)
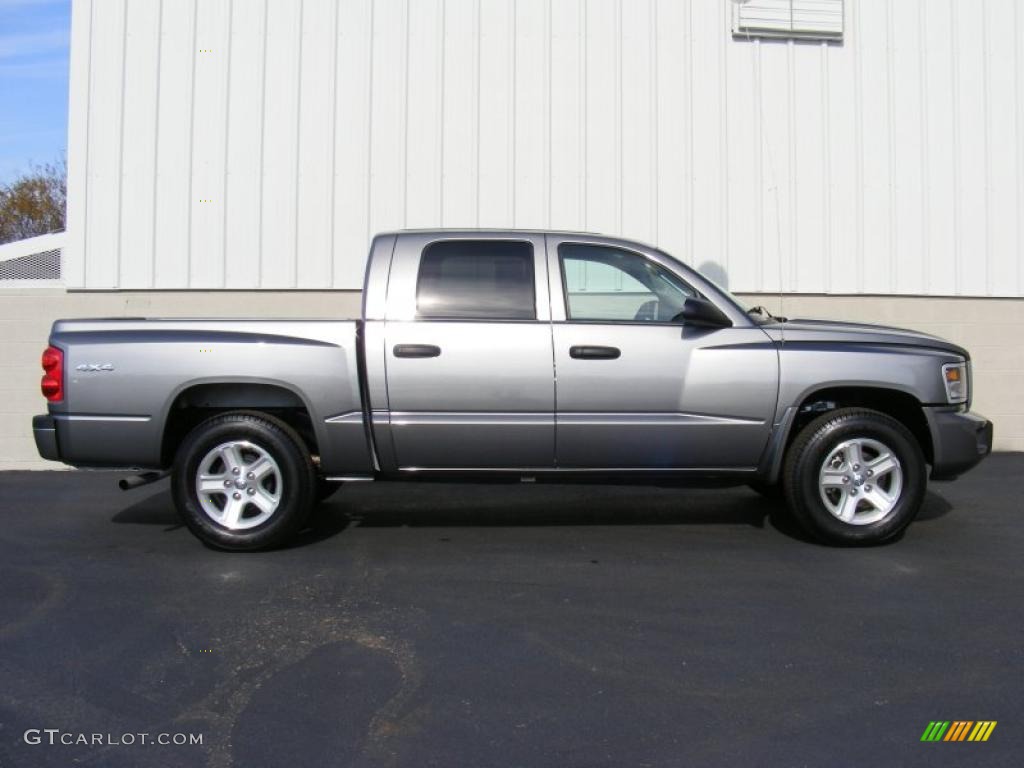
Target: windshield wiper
point(759, 310)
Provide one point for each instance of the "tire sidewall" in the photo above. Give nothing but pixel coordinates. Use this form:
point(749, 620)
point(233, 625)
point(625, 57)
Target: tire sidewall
point(296, 480)
point(825, 437)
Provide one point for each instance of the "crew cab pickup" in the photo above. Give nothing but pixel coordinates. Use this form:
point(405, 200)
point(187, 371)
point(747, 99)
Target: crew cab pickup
point(543, 356)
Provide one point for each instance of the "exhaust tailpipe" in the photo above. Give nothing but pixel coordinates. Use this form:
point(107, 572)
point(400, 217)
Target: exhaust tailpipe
point(141, 479)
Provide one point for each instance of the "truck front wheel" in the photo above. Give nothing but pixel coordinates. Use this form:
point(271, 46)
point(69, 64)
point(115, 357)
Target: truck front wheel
point(855, 476)
point(243, 481)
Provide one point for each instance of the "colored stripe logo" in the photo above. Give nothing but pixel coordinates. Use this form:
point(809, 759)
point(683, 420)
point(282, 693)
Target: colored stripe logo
point(958, 730)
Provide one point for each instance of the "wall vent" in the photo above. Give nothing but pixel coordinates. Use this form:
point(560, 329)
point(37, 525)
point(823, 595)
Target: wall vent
point(798, 19)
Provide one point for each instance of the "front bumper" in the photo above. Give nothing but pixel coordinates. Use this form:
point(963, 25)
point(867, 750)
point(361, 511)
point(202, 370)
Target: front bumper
point(44, 429)
point(960, 439)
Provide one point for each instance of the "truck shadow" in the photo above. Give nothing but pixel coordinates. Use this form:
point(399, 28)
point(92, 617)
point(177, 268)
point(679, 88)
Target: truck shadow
point(447, 505)
point(155, 509)
point(384, 504)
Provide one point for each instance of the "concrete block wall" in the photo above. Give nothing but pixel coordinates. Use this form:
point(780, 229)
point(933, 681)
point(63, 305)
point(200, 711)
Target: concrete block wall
point(992, 329)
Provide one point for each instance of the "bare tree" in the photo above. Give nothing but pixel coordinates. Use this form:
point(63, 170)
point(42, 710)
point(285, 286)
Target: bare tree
point(35, 203)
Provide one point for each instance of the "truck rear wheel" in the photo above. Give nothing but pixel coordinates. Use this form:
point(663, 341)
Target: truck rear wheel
point(244, 481)
point(855, 476)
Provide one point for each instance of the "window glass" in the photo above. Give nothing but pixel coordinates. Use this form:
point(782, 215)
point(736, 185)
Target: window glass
point(484, 279)
point(605, 283)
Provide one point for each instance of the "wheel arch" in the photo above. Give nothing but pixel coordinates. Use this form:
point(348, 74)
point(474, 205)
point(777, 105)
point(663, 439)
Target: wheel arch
point(894, 402)
point(196, 402)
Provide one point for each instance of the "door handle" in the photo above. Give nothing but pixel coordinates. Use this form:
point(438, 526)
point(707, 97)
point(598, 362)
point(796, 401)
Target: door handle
point(416, 350)
point(594, 353)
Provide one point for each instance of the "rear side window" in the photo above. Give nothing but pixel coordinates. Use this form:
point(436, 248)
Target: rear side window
point(482, 279)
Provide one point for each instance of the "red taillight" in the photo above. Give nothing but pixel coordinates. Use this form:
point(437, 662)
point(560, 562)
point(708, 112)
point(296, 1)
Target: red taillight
point(52, 384)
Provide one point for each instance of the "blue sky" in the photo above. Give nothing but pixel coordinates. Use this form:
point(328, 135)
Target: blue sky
point(33, 83)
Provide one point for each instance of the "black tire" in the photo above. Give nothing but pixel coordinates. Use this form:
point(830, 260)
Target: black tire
point(326, 488)
point(279, 441)
point(822, 437)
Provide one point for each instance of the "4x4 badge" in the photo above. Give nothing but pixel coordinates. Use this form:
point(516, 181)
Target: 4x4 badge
point(94, 367)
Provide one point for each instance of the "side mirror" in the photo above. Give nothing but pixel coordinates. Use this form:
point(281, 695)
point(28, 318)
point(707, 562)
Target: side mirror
point(701, 312)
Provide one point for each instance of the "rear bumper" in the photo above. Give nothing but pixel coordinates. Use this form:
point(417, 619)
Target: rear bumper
point(98, 441)
point(44, 429)
point(960, 439)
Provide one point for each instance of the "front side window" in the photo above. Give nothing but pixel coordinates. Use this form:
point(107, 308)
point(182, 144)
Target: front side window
point(476, 279)
point(615, 285)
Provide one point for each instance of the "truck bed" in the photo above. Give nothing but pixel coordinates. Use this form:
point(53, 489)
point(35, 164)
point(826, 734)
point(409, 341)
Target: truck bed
point(125, 376)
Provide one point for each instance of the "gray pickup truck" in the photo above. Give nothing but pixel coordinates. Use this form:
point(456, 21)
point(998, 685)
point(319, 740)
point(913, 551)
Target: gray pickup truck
point(544, 356)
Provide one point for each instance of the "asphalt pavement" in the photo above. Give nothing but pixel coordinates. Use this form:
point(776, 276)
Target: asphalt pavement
point(510, 625)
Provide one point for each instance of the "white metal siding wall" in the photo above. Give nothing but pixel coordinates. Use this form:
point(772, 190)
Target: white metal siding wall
point(260, 143)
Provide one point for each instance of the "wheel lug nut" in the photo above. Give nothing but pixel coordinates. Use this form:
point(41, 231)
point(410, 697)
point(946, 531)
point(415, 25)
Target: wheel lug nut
point(251, 491)
point(870, 472)
point(867, 487)
point(251, 475)
point(856, 467)
point(227, 483)
point(236, 471)
point(846, 478)
point(853, 491)
point(237, 495)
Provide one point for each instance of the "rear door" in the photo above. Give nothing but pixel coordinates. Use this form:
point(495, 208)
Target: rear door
point(470, 375)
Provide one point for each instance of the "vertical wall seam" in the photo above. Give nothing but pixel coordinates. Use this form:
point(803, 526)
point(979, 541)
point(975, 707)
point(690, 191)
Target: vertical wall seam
point(478, 78)
point(986, 146)
point(826, 167)
point(688, 45)
point(723, 133)
point(369, 130)
point(791, 282)
point(405, 115)
point(583, 150)
point(1019, 136)
point(120, 142)
point(78, 114)
point(891, 137)
point(298, 141)
point(653, 65)
point(858, 154)
point(758, 163)
point(156, 140)
point(334, 143)
point(618, 123)
point(513, 98)
point(955, 156)
point(88, 137)
point(549, 71)
point(440, 110)
point(191, 142)
point(225, 187)
point(263, 150)
point(926, 192)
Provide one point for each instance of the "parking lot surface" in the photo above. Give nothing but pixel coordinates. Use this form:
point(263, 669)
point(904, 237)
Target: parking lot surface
point(510, 625)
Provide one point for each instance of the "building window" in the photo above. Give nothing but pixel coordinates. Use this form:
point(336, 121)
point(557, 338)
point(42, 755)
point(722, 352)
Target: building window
point(477, 279)
point(803, 19)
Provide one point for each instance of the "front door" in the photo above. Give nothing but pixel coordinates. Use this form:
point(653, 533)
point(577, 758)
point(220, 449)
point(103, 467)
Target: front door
point(470, 376)
point(638, 389)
